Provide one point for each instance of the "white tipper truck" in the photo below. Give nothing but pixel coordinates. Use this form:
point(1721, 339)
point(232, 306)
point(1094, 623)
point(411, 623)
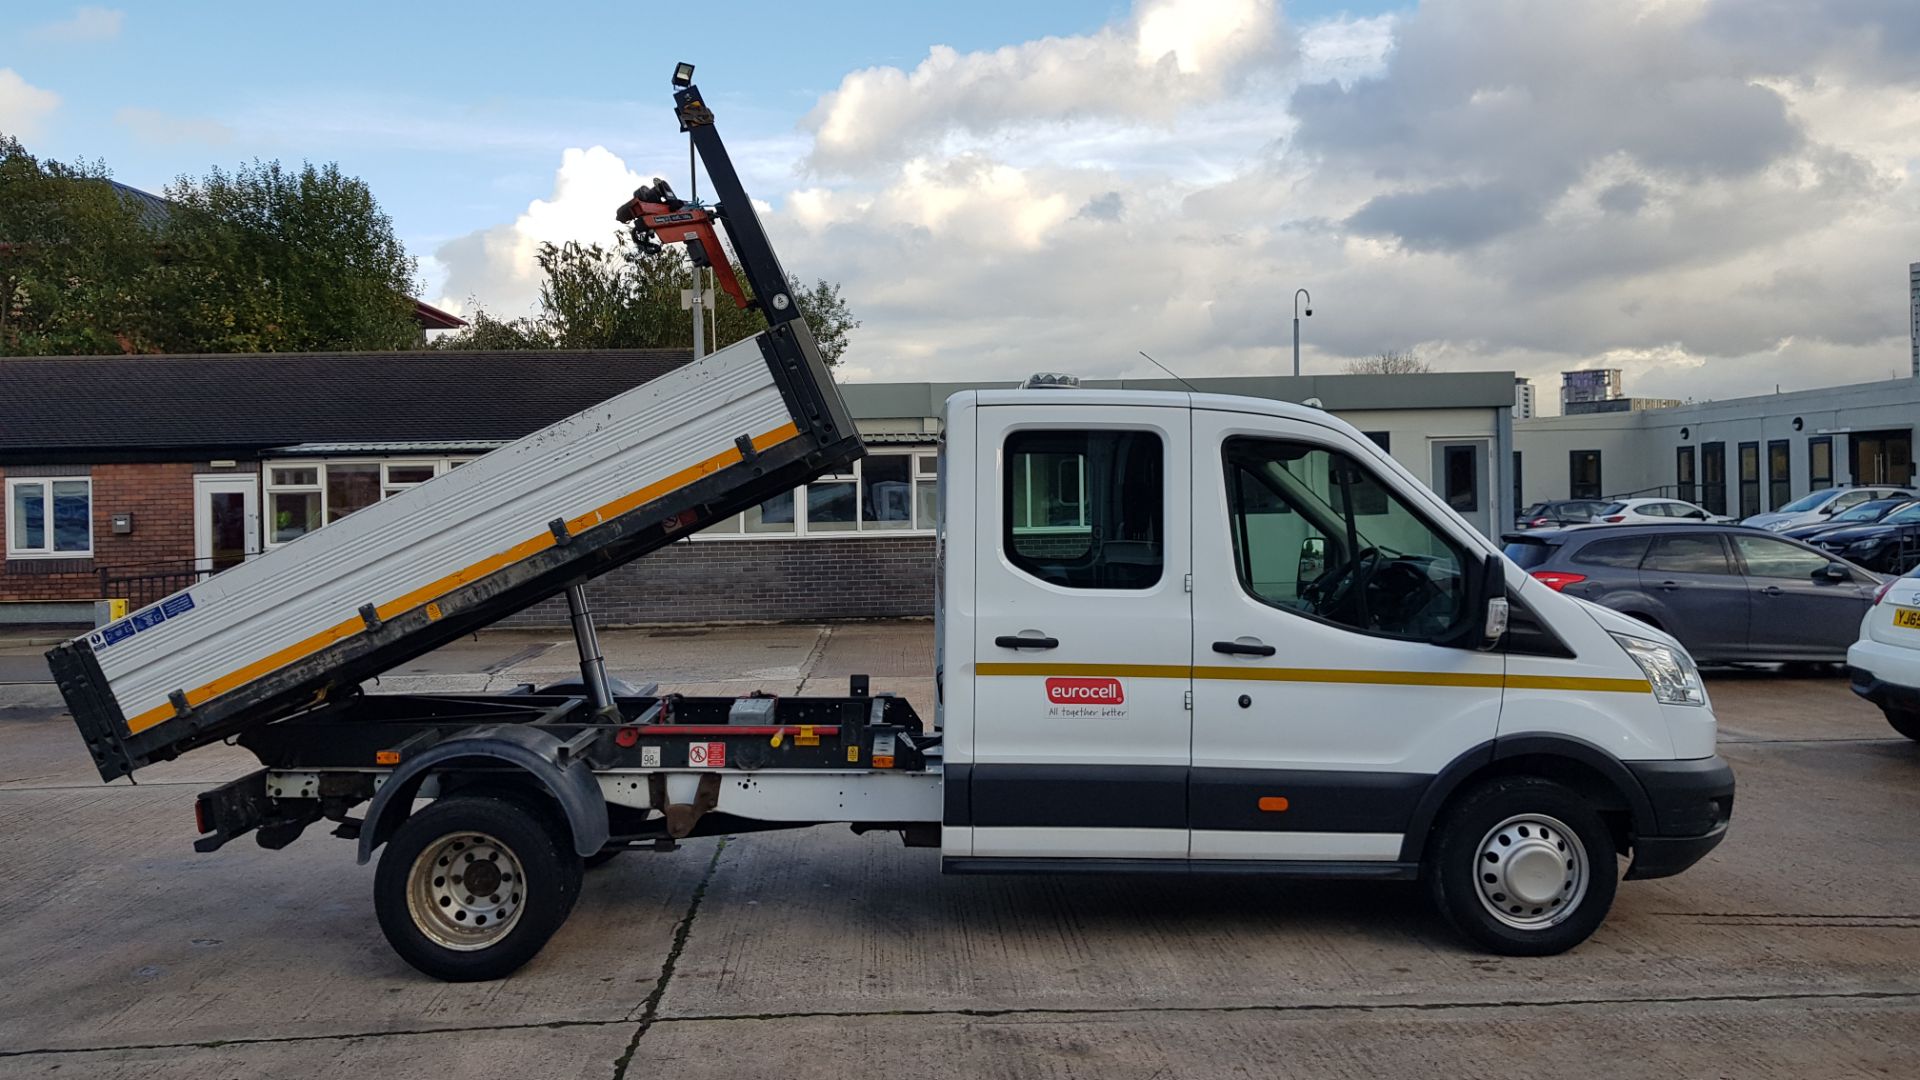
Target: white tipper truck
point(1176, 632)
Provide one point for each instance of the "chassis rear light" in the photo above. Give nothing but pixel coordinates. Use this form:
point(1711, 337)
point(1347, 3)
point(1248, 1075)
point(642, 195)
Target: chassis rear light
point(1880, 593)
point(1616, 518)
point(200, 816)
point(1558, 579)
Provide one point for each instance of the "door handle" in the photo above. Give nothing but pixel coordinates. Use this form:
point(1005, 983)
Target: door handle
point(1015, 641)
point(1773, 590)
point(1669, 586)
point(1236, 648)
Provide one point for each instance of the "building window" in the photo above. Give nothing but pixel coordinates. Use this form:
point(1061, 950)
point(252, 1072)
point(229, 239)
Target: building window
point(1462, 490)
point(1779, 474)
point(1749, 479)
point(1685, 486)
point(50, 517)
point(885, 492)
point(1518, 502)
point(1381, 439)
point(1713, 477)
point(1084, 509)
point(1584, 474)
point(303, 495)
point(1819, 463)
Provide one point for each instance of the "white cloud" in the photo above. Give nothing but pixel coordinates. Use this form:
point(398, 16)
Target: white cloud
point(22, 105)
point(496, 266)
point(1166, 55)
point(158, 128)
point(1666, 184)
point(86, 24)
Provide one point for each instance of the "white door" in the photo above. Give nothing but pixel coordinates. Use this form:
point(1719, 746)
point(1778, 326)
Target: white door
point(226, 521)
point(1323, 706)
point(1082, 634)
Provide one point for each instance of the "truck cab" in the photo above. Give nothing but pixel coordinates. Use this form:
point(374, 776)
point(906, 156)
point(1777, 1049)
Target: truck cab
point(1198, 632)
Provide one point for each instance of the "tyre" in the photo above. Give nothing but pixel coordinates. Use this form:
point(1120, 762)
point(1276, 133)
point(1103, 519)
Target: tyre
point(1522, 866)
point(1906, 723)
point(471, 887)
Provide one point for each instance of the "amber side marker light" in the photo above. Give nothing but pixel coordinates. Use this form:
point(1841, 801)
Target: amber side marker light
point(1273, 804)
point(386, 757)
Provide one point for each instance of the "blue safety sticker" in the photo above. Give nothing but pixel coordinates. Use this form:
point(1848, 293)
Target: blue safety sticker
point(119, 631)
point(148, 619)
point(175, 606)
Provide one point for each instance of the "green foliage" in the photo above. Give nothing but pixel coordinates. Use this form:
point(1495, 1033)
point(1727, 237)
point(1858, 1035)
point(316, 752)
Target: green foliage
point(623, 297)
point(262, 259)
point(73, 255)
point(265, 259)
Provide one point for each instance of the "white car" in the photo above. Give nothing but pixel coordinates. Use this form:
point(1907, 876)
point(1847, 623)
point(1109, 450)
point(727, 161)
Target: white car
point(1654, 512)
point(1884, 665)
point(1823, 504)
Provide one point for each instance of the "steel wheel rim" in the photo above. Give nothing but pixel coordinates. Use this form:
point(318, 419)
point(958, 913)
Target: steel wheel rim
point(1531, 871)
point(442, 891)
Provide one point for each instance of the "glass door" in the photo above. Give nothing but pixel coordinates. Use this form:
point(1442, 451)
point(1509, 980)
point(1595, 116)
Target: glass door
point(226, 522)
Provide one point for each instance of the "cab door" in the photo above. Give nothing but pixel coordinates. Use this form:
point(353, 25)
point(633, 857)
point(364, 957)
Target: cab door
point(1083, 633)
point(1324, 703)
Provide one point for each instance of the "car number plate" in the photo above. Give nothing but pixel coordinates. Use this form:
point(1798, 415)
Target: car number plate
point(1907, 618)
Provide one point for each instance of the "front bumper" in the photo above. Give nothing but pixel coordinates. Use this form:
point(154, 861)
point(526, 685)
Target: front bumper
point(1692, 801)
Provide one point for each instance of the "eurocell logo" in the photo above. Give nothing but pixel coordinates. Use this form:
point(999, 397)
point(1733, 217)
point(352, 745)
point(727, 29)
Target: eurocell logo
point(1085, 692)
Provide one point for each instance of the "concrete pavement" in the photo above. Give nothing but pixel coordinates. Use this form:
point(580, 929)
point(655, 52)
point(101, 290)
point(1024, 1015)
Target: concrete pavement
point(1793, 951)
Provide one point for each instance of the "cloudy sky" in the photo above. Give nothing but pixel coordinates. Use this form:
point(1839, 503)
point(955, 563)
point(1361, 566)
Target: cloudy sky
point(1717, 195)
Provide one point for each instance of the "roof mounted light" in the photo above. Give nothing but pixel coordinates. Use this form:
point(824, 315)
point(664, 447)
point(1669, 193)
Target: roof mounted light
point(1051, 380)
point(683, 74)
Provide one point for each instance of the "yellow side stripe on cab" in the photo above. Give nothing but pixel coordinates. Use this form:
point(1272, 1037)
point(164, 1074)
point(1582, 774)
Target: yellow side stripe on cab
point(1350, 676)
point(428, 593)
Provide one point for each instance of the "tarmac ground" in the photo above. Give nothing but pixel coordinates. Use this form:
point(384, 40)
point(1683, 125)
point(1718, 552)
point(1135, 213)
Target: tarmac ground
point(1793, 950)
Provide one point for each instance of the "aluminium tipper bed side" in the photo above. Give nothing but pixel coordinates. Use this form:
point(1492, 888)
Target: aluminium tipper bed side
point(318, 616)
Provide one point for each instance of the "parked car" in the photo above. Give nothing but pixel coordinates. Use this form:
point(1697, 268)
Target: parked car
point(1864, 514)
point(1727, 592)
point(1654, 512)
point(1547, 515)
point(1823, 504)
point(1890, 545)
point(1884, 665)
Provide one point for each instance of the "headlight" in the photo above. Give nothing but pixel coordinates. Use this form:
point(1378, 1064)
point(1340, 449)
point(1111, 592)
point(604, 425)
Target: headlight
point(1777, 526)
point(1867, 544)
point(1675, 680)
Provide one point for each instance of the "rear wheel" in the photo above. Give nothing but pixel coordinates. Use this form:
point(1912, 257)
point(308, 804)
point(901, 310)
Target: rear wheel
point(1522, 867)
point(1906, 723)
point(472, 887)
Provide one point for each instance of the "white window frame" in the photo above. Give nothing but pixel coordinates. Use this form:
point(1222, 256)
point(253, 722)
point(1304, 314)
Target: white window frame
point(388, 487)
point(48, 551)
point(734, 528)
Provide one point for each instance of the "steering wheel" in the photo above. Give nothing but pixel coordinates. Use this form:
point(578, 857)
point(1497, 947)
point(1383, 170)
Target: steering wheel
point(1332, 590)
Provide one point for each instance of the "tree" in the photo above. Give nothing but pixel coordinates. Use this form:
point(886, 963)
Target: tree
point(1390, 362)
point(267, 259)
point(626, 297)
point(73, 252)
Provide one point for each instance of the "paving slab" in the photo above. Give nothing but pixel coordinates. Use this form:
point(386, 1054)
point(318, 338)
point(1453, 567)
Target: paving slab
point(1794, 1039)
point(501, 1049)
point(110, 917)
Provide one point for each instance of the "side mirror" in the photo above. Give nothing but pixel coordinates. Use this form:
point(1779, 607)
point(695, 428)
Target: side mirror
point(1834, 572)
point(1828, 510)
point(1489, 598)
point(1313, 559)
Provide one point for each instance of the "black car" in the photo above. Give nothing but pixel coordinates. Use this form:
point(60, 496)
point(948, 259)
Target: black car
point(1865, 514)
point(1890, 545)
point(1547, 515)
point(1726, 591)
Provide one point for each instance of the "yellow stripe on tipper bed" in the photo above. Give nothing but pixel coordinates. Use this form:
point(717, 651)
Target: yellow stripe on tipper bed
point(467, 575)
point(1348, 676)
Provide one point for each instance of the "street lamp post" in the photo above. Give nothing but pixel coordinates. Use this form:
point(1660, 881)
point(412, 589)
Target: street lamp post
point(1297, 294)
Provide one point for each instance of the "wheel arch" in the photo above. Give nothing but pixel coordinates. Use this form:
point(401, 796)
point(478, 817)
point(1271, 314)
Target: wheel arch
point(1589, 770)
point(537, 758)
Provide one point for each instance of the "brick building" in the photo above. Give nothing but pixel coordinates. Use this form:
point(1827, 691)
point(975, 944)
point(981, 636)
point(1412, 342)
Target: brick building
point(137, 476)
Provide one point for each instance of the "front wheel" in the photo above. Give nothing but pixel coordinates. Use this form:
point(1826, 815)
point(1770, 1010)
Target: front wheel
point(1906, 723)
point(1523, 867)
point(472, 887)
